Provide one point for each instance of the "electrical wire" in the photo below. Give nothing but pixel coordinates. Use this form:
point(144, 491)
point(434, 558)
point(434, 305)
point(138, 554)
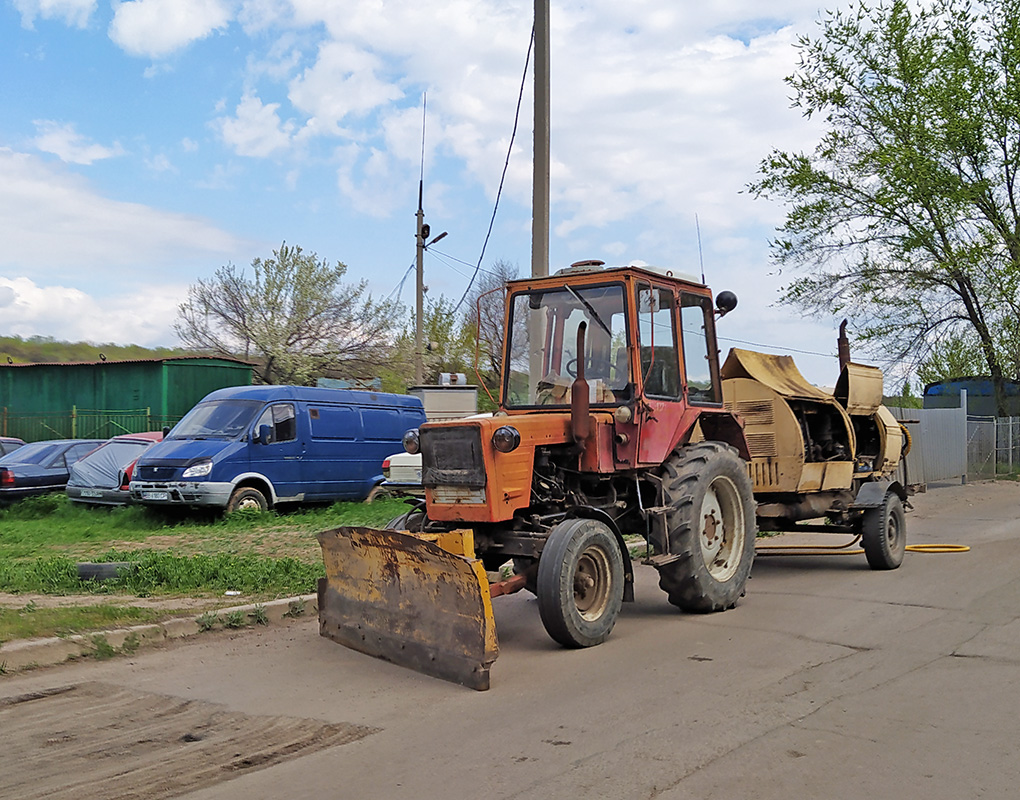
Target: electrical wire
point(506, 166)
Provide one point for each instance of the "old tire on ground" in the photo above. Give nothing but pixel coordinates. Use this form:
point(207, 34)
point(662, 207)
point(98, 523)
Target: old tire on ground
point(246, 498)
point(580, 582)
point(884, 533)
point(408, 521)
point(711, 528)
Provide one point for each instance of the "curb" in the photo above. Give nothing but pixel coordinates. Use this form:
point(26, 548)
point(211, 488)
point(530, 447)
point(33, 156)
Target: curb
point(29, 653)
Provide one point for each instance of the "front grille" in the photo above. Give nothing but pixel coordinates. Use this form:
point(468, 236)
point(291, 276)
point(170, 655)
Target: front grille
point(452, 457)
point(156, 473)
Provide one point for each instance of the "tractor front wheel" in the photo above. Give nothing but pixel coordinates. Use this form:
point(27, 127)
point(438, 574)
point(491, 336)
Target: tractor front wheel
point(580, 582)
point(711, 527)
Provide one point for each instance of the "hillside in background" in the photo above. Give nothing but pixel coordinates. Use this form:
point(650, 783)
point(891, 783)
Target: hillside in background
point(43, 349)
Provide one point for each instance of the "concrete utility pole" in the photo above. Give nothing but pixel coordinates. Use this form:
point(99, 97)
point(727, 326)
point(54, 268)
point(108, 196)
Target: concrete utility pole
point(419, 295)
point(540, 181)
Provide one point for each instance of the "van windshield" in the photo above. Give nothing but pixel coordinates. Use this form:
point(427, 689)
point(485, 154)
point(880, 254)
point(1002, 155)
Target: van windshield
point(217, 419)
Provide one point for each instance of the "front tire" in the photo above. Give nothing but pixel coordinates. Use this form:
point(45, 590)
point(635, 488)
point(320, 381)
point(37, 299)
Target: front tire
point(711, 527)
point(247, 498)
point(884, 533)
point(580, 583)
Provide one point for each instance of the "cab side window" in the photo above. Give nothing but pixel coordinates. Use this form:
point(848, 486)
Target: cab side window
point(695, 316)
point(281, 421)
point(660, 367)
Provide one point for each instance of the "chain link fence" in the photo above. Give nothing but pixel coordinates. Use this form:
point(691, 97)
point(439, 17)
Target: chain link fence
point(993, 447)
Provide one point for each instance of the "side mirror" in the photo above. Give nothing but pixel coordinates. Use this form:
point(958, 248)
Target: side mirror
point(725, 302)
point(166, 431)
point(265, 434)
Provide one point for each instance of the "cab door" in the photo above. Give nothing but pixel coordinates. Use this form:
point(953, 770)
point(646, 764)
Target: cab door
point(277, 451)
point(663, 414)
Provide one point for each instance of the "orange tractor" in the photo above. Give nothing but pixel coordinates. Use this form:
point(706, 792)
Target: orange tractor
point(615, 419)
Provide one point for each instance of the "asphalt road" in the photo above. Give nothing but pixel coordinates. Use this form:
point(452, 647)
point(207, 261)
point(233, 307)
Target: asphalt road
point(827, 681)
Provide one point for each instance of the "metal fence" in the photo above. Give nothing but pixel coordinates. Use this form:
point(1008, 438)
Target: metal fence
point(993, 446)
point(939, 450)
point(81, 424)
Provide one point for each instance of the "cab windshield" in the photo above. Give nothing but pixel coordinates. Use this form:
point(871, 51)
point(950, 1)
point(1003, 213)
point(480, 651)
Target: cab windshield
point(542, 351)
point(217, 419)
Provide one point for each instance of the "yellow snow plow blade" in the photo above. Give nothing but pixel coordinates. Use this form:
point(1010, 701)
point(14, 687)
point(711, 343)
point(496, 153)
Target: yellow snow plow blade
point(418, 600)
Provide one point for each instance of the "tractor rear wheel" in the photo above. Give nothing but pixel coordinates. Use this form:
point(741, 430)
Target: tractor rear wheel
point(580, 582)
point(884, 533)
point(711, 527)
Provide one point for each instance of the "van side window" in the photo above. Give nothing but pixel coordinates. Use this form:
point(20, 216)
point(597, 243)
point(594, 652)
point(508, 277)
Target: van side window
point(280, 418)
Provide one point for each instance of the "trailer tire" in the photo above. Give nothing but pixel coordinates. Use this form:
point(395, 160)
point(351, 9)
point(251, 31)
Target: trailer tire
point(884, 533)
point(580, 582)
point(246, 498)
point(708, 488)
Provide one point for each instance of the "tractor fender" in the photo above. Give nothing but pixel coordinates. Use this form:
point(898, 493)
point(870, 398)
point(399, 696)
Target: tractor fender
point(872, 493)
point(725, 427)
point(588, 512)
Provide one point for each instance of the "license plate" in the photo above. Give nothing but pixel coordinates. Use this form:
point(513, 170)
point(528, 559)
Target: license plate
point(91, 493)
point(155, 495)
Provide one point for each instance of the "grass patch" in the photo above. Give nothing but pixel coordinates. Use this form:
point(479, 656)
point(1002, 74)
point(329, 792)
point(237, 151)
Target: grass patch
point(35, 622)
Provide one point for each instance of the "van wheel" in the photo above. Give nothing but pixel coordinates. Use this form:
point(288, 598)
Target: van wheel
point(379, 492)
point(247, 499)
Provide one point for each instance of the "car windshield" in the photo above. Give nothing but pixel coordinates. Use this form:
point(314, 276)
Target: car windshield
point(543, 345)
point(217, 419)
point(36, 453)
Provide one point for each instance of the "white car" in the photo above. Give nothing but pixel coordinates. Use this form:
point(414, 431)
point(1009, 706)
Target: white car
point(402, 472)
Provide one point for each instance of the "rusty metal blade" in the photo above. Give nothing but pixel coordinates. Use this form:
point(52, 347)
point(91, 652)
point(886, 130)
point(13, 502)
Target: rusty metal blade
point(395, 596)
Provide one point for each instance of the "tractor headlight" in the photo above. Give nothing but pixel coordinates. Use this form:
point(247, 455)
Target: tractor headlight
point(506, 439)
point(199, 470)
point(411, 443)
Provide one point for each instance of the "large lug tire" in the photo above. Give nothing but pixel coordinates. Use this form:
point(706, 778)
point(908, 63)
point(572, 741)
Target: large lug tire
point(711, 527)
point(580, 582)
point(884, 533)
point(247, 498)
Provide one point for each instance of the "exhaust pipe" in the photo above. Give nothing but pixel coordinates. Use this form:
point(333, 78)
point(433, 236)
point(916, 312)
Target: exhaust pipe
point(580, 420)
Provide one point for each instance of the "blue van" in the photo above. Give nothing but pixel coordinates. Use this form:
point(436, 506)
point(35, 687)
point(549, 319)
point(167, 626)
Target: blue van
point(256, 446)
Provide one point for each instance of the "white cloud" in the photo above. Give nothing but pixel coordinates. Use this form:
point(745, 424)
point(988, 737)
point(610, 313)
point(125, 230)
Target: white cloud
point(156, 28)
point(69, 145)
point(53, 223)
point(69, 314)
point(71, 12)
point(255, 129)
point(341, 83)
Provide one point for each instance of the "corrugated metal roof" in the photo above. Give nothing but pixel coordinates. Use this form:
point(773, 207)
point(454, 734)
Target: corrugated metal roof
point(129, 361)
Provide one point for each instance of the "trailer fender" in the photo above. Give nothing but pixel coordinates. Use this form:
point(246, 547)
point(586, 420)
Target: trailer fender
point(872, 494)
point(588, 512)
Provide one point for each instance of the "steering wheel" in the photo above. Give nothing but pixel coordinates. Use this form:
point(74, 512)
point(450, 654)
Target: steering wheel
point(599, 368)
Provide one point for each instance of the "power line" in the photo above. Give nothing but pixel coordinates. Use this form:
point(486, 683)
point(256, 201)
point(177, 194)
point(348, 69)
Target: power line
point(506, 166)
point(462, 261)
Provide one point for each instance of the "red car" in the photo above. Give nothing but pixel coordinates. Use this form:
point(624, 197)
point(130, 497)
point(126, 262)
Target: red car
point(103, 476)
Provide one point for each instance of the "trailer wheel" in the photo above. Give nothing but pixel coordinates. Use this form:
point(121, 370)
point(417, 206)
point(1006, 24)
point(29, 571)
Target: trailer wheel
point(884, 533)
point(580, 583)
point(711, 527)
point(247, 498)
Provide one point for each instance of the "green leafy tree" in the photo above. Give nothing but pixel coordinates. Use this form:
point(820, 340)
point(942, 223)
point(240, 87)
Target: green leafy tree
point(449, 346)
point(295, 319)
point(906, 216)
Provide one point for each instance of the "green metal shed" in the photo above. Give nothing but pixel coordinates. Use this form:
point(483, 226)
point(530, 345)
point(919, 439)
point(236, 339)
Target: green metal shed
point(96, 398)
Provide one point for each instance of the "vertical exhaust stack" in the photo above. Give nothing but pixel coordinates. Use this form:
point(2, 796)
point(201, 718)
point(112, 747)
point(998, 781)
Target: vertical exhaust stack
point(843, 346)
point(580, 421)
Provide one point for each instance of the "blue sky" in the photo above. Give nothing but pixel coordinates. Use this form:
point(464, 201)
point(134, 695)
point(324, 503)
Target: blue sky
point(144, 144)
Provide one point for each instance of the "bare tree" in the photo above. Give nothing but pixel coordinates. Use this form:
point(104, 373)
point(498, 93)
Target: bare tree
point(296, 319)
point(486, 315)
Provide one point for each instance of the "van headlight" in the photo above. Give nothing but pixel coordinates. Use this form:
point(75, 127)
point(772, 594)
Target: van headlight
point(199, 470)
